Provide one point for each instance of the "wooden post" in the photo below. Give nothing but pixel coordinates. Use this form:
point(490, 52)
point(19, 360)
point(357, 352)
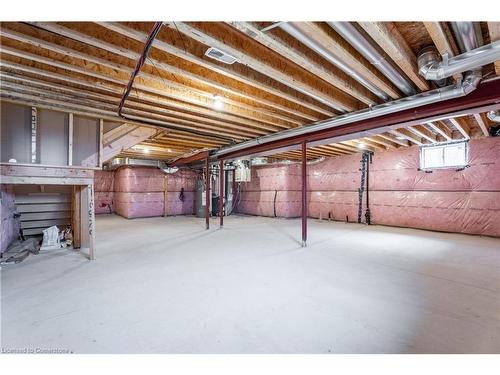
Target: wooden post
point(34, 134)
point(221, 192)
point(91, 218)
point(76, 222)
point(101, 132)
point(70, 140)
point(304, 194)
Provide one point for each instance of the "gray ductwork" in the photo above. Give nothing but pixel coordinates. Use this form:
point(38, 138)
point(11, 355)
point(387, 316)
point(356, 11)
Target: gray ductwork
point(494, 116)
point(431, 67)
point(119, 162)
point(356, 39)
point(295, 30)
point(468, 35)
point(468, 85)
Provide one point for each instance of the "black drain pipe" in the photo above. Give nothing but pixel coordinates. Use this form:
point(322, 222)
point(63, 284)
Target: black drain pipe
point(367, 212)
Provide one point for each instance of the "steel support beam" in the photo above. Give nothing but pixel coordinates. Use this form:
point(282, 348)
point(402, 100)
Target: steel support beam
point(221, 192)
point(485, 96)
point(207, 193)
point(304, 194)
point(189, 159)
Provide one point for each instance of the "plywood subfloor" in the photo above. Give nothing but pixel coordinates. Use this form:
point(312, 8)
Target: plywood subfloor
point(165, 285)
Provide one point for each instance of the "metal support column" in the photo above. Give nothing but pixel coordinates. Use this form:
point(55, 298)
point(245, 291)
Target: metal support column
point(221, 192)
point(304, 194)
point(207, 193)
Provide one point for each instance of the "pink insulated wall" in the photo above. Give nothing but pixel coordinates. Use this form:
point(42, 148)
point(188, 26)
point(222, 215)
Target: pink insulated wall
point(465, 201)
point(103, 192)
point(143, 191)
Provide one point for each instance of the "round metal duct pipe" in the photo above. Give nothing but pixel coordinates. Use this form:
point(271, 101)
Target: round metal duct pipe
point(295, 30)
point(356, 39)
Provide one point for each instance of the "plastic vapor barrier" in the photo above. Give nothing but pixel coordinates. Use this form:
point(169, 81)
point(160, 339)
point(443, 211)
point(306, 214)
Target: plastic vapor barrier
point(9, 230)
point(134, 192)
point(103, 192)
point(463, 201)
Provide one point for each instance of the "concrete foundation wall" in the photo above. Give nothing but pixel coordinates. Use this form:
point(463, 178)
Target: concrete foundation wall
point(463, 201)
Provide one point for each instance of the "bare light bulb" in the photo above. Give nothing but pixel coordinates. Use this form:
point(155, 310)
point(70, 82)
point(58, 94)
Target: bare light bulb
point(218, 103)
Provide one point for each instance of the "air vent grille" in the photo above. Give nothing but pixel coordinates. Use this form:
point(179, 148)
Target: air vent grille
point(219, 55)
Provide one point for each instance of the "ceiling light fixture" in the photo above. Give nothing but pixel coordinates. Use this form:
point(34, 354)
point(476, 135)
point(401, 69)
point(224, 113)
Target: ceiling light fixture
point(146, 150)
point(361, 145)
point(218, 103)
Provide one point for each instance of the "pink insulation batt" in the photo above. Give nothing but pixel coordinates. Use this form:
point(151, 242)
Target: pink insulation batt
point(144, 191)
point(103, 192)
point(464, 201)
point(10, 226)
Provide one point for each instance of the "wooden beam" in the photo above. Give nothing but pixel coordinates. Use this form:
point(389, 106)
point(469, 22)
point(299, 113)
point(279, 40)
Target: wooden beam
point(42, 170)
point(132, 55)
point(91, 220)
point(191, 158)
point(130, 139)
point(387, 36)
point(482, 124)
point(46, 101)
point(359, 145)
point(494, 30)
point(101, 132)
point(70, 139)
point(224, 71)
point(40, 43)
point(162, 86)
point(403, 133)
point(440, 38)
point(394, 139)
point(340, 80)
point(368, 141)
point(383, 141)
point(76, 223)
point(16, 180)
point(441, 130)
point(345, 53)
point(232, 121)
point(117, 132)
point(201, 35)
point(76, 35)
point(422, 132)
point(461, 126)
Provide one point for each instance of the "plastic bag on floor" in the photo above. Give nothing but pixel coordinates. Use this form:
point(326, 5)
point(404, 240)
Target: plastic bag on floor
point(51, 238)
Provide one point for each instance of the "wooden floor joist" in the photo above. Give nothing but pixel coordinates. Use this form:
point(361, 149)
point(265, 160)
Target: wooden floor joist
point(386, 35)
point(277, 82)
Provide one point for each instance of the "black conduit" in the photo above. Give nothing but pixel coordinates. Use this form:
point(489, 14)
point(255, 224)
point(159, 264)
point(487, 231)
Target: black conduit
point(140, 63)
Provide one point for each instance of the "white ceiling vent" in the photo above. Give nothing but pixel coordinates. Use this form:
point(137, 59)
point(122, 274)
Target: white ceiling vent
point(219, 55)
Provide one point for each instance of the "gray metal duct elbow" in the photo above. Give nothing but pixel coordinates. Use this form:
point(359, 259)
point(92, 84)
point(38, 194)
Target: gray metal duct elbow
point(430, 65)
point(432, 68)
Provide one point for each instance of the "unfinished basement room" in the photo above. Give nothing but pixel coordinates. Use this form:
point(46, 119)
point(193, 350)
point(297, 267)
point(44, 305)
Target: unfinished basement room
point(241, 187)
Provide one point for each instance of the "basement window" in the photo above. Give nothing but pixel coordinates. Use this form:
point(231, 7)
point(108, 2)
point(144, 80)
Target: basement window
point(450, 155)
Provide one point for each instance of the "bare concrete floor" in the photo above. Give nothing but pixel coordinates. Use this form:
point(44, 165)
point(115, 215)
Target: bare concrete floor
point(165, 285)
